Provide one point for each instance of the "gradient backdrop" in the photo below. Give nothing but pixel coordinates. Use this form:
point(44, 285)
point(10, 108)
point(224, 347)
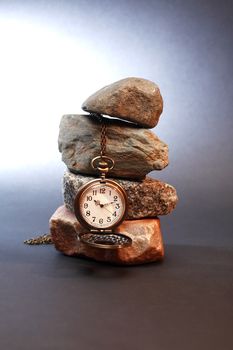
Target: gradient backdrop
point(56, 53)
point(53, 55)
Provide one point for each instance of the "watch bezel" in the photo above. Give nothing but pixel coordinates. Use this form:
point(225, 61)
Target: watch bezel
point(90, 184)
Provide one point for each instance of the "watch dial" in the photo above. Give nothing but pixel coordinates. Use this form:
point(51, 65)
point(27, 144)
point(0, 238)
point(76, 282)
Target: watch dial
point(102, 205)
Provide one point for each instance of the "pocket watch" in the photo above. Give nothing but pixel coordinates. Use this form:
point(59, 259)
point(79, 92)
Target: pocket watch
point(101, 204)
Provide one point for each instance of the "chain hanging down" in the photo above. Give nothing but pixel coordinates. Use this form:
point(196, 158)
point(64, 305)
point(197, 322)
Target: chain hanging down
point(43, 239)
point(102, 133)
point(103, 164)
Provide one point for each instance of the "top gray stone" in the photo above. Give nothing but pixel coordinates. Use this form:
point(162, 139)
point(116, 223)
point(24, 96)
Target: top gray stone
point(133, 99)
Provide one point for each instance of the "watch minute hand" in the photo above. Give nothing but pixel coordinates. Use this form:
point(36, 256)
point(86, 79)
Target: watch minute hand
point(107, 203)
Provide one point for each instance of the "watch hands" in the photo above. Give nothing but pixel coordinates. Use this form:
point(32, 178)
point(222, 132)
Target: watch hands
point(97, 202)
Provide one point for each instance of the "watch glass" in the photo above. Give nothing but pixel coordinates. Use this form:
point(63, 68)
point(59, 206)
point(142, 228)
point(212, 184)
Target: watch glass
point(101, 205)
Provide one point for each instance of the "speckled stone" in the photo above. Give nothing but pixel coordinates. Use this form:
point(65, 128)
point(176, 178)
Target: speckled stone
point(136, 151)
point(147, 198)
point(134, 99)
point(147, 243)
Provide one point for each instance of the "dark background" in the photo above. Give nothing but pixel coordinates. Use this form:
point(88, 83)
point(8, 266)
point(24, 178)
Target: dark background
point(53, 55)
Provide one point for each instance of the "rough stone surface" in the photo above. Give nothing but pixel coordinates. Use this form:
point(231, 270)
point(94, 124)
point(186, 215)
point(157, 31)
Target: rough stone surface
point(147, 198)
point(133, 99)
point(146, 235)
point(136, 151)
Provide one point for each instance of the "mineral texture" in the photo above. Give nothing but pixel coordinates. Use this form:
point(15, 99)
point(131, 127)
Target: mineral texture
point(136, 151)
point(146, 235)
point(133, 99)
point(147, 198)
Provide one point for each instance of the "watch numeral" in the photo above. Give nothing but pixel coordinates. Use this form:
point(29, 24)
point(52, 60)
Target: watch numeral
point(94, 192)
point(114, 214)
point(93, 218)
point(88, 213)
point(85, 205)
point(108, 219)
point(102, 190)
point(101, 221)
point(110, 192)
point(89, 198)
point(117, 206)
point(115, 198)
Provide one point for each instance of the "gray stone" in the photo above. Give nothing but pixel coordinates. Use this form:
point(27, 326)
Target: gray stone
point(147, 243)
point(147, 198)
point(136, 151)
point(133, 99)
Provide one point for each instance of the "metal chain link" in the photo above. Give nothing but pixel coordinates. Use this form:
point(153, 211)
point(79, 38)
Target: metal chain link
point(103, 139)
point(43, 239)
point(103, 133)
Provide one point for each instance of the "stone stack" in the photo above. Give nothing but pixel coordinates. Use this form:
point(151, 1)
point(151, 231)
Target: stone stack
point(133, 106)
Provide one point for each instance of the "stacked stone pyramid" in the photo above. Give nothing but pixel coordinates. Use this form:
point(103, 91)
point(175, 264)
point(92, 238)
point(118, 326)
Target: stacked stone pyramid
point(130, 107)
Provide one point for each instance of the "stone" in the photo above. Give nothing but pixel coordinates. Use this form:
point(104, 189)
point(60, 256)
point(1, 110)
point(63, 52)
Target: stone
point(134, 99)
point(147, 198)
point(147, 243)
point(136, 151)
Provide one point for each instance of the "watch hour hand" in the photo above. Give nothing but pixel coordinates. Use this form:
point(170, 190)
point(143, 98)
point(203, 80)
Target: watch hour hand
point(97, 202)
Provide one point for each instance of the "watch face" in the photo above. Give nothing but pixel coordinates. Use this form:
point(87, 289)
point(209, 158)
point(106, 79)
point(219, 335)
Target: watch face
point(100, 205)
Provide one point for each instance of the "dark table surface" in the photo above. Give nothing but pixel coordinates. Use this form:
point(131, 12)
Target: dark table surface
point(50, 301)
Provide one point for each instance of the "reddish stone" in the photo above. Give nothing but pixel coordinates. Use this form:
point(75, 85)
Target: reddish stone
point(147, 243)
